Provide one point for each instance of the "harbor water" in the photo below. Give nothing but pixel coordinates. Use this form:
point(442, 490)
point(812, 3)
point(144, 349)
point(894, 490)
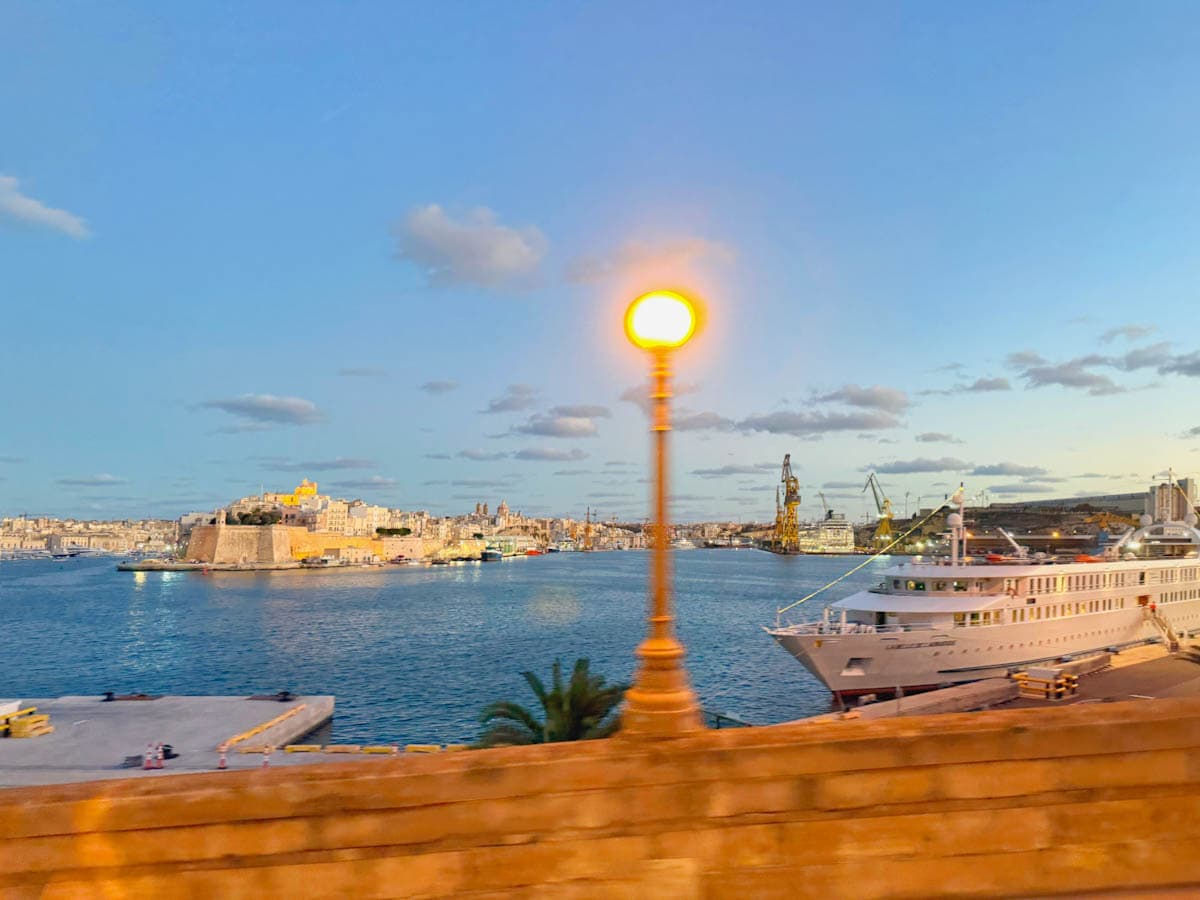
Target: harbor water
point(412, 654)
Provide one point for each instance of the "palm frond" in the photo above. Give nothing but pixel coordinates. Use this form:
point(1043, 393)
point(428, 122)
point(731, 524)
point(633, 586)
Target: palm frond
point(512, 712)
point(504, 734)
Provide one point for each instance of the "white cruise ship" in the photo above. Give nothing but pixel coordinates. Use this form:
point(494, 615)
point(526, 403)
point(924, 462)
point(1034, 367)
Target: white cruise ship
point(833, 534)
point(936, 622)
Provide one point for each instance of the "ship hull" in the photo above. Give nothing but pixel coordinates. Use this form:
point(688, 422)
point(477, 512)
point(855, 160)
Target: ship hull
point(855, 664)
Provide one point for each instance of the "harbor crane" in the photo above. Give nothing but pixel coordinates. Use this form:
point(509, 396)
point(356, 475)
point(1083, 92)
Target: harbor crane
point(587, 531)
point(787, 526)
point(883, 531)
point(825, 510)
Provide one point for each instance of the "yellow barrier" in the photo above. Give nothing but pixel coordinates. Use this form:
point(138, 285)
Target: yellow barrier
point(451, 748)
point(1046, 688)
point(302, 748)
point(381, 748)
point(423, 748)
point(342, 748)
point(20, 712)
point(259, 729)
point(9, 720)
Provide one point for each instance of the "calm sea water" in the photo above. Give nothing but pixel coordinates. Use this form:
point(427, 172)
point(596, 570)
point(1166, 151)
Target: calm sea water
point(411, 654)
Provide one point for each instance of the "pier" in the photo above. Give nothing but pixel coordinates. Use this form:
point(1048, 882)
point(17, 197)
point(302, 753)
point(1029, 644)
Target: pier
point(96, 739)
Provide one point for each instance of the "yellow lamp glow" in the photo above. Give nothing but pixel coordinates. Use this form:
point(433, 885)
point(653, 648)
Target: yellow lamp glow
point(660, 320)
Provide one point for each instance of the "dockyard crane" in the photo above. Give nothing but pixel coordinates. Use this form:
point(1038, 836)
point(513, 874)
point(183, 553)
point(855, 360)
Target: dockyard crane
point(825, 510)
point(883, 531)
point(787, 525)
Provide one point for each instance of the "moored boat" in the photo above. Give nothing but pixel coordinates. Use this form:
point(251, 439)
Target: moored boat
point(935, 622)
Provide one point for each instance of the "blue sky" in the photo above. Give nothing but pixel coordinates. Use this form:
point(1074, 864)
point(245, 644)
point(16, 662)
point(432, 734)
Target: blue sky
point(387, 246)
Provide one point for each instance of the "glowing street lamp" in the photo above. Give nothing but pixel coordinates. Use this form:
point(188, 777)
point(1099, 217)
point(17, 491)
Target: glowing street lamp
point(661, 702)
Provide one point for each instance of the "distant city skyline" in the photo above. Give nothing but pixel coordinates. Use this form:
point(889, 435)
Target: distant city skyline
point(388, 248)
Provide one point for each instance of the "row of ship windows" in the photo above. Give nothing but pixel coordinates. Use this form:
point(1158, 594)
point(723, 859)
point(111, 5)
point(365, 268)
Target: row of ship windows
point(1096, 580)
point(1058, 584)
point(1036, 613)
point(1060, 610)
point(1057, 640)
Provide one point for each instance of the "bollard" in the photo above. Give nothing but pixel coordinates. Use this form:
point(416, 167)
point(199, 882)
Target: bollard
point(267, 757)
point(158, 756)
point(221, 761)
point(148, 757)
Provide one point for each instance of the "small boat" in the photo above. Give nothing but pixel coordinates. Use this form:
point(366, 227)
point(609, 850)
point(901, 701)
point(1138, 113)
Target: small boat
point(491, 555)
point(533, 552)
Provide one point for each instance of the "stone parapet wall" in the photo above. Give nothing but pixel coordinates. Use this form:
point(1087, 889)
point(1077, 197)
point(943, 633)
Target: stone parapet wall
point(1100, 797)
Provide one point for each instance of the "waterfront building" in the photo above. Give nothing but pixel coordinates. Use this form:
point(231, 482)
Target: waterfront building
point(306, 490)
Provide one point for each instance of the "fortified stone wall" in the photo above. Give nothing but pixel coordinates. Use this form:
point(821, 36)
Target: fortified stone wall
point(1098, 798)
point(202, 544)
point(235, 544)
point(274, 544)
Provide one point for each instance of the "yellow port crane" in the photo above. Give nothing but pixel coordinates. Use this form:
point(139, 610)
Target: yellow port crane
point(883, 531)
point(1106, 521)
point(787, 526)
point(587, 531)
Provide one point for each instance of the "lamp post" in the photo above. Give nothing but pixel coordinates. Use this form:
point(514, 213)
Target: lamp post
point(661, 702)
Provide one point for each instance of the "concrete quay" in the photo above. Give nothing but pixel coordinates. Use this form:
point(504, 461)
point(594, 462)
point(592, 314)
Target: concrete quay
point(1146, 672)
point(153, 565)
point(93, 739)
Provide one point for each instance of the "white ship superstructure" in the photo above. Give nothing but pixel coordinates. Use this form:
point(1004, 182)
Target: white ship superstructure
point(833, 534)
point(945, 621)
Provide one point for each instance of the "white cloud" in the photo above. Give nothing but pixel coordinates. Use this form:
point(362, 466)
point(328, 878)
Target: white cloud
point(481, 455)
point(550, 454)
point(558, 426)
point(21, 208)
point(475, 250)
point(816, 423)
point(267, 409)
point(686, 420)
point(581, 410)
point(1129, 332)
point(515, 397)
point(876, 396)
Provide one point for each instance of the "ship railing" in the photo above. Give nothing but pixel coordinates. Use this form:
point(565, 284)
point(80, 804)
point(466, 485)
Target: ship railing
point(839, 628)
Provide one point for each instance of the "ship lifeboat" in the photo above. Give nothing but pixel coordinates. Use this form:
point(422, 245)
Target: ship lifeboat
point(995, 558)
point(1084, 557)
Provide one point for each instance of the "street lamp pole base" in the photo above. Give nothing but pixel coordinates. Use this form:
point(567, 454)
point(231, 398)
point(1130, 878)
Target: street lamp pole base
point(661, 704)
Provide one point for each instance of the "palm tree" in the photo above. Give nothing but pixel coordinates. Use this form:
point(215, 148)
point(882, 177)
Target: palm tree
point(577, 711)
